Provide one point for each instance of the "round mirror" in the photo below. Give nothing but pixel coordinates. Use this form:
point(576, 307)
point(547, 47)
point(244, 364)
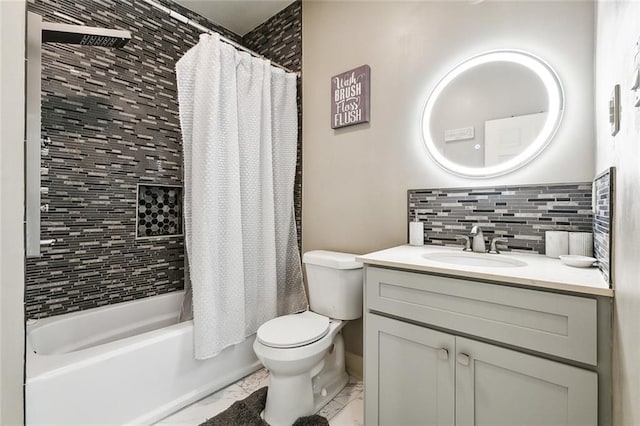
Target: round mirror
point(493, 113)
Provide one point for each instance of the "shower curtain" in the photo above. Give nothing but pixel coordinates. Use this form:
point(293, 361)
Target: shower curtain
point(239, 129)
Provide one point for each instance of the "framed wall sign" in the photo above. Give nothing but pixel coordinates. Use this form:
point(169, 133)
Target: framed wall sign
point(350, 97)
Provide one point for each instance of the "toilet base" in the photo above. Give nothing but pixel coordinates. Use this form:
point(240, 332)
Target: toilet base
point(290, 397)
point(332, 390)
point(332, 378)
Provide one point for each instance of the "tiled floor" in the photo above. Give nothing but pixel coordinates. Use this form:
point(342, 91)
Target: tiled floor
point(346, 409)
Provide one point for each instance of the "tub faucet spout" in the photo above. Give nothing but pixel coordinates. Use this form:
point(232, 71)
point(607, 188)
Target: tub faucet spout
point(478, 245)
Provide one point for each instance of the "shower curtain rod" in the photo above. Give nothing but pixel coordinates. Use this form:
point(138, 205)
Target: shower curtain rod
point(202, 28)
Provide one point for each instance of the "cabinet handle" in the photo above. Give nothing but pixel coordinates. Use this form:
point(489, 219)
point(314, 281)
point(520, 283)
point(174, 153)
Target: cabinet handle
point(463, 359)
point(443, 354)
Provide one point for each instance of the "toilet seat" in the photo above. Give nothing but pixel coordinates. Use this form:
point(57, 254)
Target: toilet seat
point(292, 331)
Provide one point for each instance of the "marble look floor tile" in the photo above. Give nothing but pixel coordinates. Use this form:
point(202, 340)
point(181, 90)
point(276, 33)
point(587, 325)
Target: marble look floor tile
point(206, 408)
point(351, 391)
point(351, 415)
point(332, 408)
point(254, 381)
point(342, 409)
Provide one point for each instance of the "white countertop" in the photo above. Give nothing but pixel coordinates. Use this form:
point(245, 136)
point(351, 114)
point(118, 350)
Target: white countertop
point(539, 271)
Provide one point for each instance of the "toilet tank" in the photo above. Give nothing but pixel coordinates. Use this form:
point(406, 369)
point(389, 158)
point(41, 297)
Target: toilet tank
point(335, 284)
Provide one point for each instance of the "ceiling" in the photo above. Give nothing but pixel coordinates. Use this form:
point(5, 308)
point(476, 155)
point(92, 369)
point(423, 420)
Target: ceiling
point(239, 16)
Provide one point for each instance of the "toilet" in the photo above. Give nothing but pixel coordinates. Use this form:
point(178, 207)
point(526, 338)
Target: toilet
point(304, 352)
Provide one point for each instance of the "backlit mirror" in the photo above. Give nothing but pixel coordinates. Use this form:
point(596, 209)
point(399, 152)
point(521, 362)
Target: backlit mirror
point(492, 113)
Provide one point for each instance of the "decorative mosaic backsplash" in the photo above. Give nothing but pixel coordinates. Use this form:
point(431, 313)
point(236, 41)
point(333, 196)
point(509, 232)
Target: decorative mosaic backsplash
point(280, 39)
point(602, 223)
point(159, 211)
point(521, 214)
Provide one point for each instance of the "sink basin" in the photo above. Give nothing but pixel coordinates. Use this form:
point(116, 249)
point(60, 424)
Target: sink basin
point(474, 259)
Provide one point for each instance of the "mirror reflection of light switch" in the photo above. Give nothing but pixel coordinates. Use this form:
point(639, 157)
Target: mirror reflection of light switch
point(459, 134)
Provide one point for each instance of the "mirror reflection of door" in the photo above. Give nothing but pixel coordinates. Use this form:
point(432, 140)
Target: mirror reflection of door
point(505, 138)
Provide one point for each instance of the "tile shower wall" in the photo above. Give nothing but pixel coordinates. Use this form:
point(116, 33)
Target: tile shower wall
point(112, 120)
point(604, 189)
point(280, 39)
point(521, 214)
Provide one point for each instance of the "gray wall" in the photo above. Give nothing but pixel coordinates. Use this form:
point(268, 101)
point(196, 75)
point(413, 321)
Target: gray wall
point(355, 179)
point(618, 24)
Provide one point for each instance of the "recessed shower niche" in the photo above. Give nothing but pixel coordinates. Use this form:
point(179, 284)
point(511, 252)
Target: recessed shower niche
point(159, 211)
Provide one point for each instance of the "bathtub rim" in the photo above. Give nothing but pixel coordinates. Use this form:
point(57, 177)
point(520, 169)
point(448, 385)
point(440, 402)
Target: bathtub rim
point(40, 367)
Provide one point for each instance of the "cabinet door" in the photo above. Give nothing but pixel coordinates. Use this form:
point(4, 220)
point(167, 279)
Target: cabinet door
point(409, 374)
point(497, 386)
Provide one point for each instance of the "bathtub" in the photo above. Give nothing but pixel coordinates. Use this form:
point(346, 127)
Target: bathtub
point(130, 363)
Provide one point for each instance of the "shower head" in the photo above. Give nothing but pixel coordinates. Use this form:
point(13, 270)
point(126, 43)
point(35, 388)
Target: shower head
point(85, 36)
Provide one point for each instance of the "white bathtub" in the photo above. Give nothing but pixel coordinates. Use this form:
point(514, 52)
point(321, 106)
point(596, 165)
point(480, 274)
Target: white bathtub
point(130, 363)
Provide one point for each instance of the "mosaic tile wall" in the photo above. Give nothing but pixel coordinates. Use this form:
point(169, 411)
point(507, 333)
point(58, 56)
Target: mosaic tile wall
point(159, 211)
point(112, 118)
point(602, 222)
point(521, 214)
point(280, 39)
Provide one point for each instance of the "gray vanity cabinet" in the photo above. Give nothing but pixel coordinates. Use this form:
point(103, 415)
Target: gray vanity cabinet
point(426, 363)
point(497, 386)
point(415, 384)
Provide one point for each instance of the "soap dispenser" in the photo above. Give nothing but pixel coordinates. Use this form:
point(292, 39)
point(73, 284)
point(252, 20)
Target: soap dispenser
point(416, 231)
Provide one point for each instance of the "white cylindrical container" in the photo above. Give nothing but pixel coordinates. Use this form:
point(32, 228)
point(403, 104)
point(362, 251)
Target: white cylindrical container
point(556, 243)
point(416, 233)
point(581, 243)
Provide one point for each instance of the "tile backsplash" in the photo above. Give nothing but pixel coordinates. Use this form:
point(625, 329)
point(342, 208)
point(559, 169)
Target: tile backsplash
point(521, 214)
point(602, 222)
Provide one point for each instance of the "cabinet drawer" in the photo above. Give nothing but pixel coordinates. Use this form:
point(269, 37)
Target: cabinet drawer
point(550, 323)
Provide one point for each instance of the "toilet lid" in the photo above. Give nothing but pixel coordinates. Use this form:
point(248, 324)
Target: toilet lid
point(290, 331)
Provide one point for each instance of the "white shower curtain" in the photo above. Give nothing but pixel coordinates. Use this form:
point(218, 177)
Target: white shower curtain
point(239, 129)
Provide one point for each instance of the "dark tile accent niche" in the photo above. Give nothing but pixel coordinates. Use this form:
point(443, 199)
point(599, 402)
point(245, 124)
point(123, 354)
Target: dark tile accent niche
point(112, 119)
point(159, 211)
point(521, 214)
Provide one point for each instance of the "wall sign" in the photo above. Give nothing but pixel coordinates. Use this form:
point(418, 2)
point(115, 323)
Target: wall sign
point(350, 97)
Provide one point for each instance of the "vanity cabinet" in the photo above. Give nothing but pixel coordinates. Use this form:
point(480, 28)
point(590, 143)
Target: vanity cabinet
point(443, 351)
point(410, 374)
point(497, 386)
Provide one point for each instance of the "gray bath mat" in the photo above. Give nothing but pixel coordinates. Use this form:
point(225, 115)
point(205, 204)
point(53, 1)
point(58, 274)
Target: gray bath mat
point(246, 412)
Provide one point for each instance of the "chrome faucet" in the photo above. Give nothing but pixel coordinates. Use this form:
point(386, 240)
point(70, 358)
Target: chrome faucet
point(494, 248)
point(477, 245)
